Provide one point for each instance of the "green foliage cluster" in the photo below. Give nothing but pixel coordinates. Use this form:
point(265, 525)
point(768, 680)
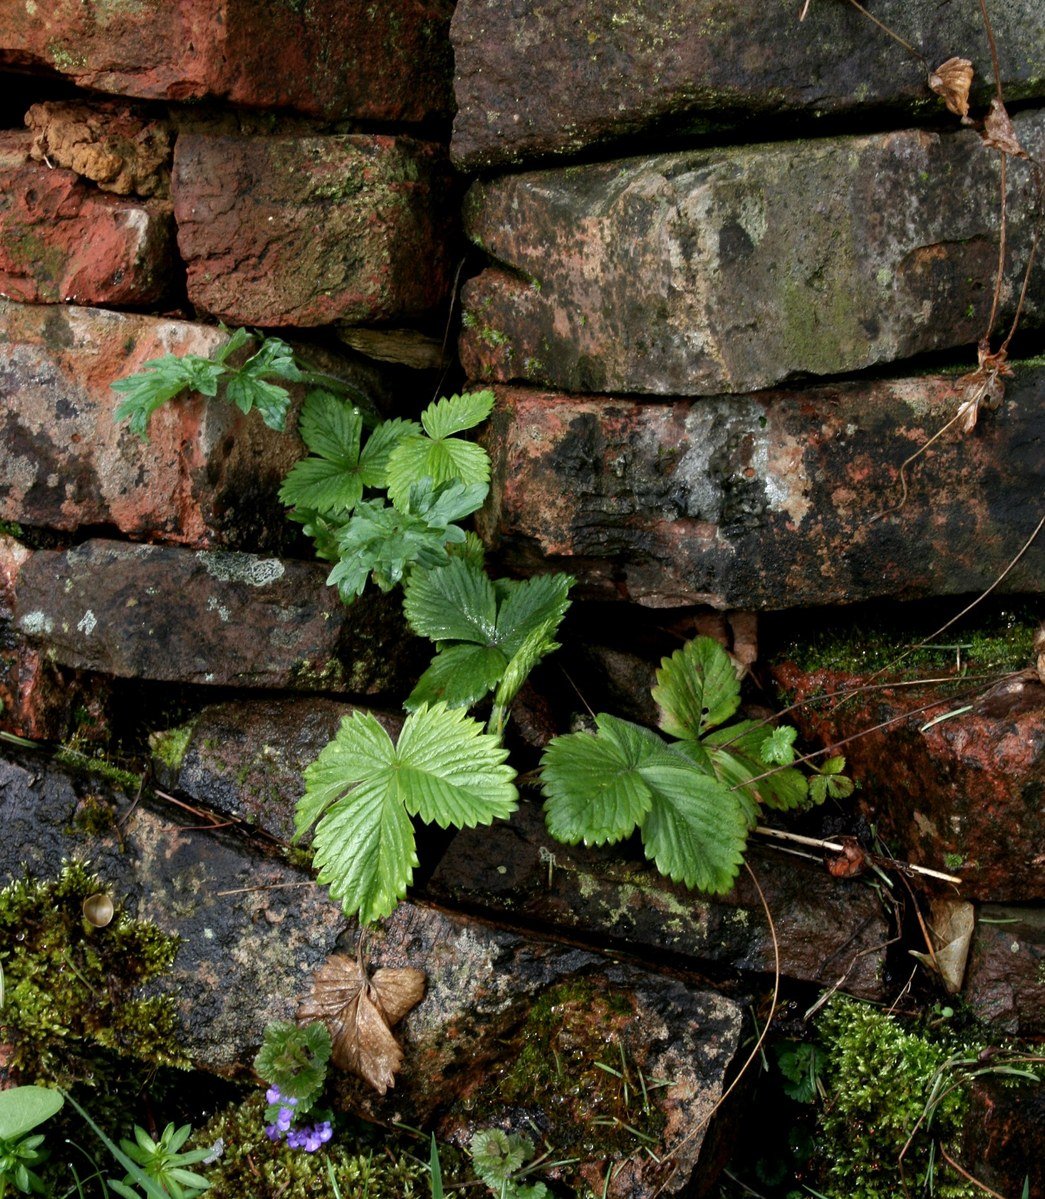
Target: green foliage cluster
point(21, 1110)
point(294, 1058)
point(71, 987)
point(386, 507)
point(693, 799)
point(879, 1077)
point(165, 1162)
point(360, 1162)
point(498, 1158)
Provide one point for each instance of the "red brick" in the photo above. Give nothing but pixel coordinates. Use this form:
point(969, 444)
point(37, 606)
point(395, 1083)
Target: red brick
point(63, 241)
point(388, 61)
point(309, 230)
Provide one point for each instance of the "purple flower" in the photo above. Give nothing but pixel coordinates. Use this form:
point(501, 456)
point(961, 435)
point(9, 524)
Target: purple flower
point(284, 1118)
point(273, 1095)
point(272, 1132)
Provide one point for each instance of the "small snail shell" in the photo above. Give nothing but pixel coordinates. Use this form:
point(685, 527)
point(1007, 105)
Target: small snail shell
point(98, 909)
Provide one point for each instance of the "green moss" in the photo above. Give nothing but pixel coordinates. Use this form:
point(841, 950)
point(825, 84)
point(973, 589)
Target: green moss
point(96, 764)
point(1000, 642)
point(169, 746)
point(575, 1058)
point(72, 988)
point(10, 528)
point(879, 1077)
point(364, 1164)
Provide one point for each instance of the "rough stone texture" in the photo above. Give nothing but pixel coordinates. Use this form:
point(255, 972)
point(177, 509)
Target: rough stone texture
point(1002, 1136)
point(309, 230)
point(149, 612)
point(333, 58)
point(710, 271)
point(767, 501)
point(542, 77)
point(245, 759)
point(1005, 977)
point(62, 241)
point(475, 1056)
point(207, 476)
point(826, 927)
point(111, 144)
point(245, 958)
point(969, 786)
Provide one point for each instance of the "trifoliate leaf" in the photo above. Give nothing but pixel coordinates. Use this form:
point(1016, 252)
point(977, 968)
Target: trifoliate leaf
point(161, 380)
point(360, 1013)
point(457, 413)
point(594, 784)
point(459, 676)
point(451, 772)
point(440, 456)
point(695, 830)
point(696, 689)
point(779, 746)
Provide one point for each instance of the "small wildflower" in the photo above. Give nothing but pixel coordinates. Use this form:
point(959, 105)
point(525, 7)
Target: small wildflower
point(216, 1150)
point(272, 1132)
point(284, 1118)
point(273, 1095)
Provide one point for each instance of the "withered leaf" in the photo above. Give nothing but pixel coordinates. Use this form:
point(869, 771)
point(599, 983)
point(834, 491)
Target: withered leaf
point(983, 387)
point(1039, 652)
point(951, 82)
point(360, 1013)
point(852, 860)
point(998, 132)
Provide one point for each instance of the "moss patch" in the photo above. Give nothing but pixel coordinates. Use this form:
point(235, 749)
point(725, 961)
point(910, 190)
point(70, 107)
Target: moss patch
point(72, 988)
point(363, 1163)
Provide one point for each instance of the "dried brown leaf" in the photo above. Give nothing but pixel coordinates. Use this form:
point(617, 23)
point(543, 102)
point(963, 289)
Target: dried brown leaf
point(983, 387)
point(951, 82)
point(360, 1013)
point(998, 131)
point(851, 862)
point(1039, 652)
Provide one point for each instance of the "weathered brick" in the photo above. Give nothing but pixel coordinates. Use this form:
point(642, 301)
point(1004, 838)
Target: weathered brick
point(961, 793)
point(711, 271)
point(210, 617)
point(207, 476)
point(769, 501)
point(309, 230)
point(334, 58)
point(536, 78)
point(825, 928)
point(1005, 978)
point(63, 241)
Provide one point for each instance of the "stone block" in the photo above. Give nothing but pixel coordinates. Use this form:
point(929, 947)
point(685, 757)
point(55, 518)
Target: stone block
point(249, 942)
point(768, 501)
point(311, 230)
point(210, 617)
point(479, 1050)
point(1005, 977)
point(327, 58)
point(535, 78)
point(961, 794)
point(207, 476)
point(709, 271)
point(245, 759)
point(827, 928)
point(62, 241)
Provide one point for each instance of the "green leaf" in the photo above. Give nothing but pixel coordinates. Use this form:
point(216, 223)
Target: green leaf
point(528, 605)
point(459, 675)
point(23, 1108)
point(271, 400)
point(457, 602)
point(736, 752)
point(451, 772)
point(161, 380)
point(440, 456)
point(373, 461)
point(435, 1170)
point(443, 504)
point(361, 787)
point(496, 1156)
point(457, 413)
point(537, 645)
point(779, 747)
point(697, 689)
point(594, 785)
point(696, 829)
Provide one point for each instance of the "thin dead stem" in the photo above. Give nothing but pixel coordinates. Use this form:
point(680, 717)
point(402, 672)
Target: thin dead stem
point(1003, 223)
point(702, 1124)
point(966, 1175)
point(892, 33)
point(995, 65)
